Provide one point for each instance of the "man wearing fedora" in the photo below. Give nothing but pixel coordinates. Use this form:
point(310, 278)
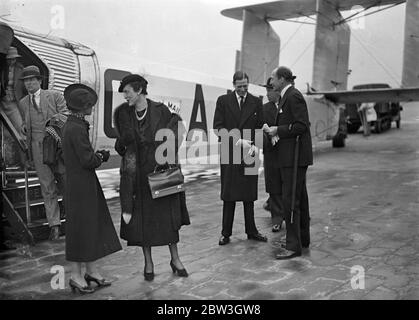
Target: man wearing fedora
point(39, 106)
point(292, 129)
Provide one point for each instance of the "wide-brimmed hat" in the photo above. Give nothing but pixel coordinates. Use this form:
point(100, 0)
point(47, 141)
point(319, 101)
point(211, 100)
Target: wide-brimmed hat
point(12, 53)
point(30, 72)
point(268, 84)
point(129, 79)
point(79, 97)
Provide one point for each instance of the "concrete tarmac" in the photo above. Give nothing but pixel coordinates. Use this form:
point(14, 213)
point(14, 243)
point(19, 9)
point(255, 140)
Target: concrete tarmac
point(364, 207)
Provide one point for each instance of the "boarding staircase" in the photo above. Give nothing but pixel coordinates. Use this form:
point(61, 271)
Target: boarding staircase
point(23, 215)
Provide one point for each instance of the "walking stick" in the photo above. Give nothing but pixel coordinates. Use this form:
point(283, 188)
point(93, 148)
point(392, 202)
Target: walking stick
point(294, 176)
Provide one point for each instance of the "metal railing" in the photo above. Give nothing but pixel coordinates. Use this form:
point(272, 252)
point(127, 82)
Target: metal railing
point(23, 147)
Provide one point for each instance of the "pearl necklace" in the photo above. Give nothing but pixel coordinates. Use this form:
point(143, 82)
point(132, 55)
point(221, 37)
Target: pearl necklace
point(143, 116)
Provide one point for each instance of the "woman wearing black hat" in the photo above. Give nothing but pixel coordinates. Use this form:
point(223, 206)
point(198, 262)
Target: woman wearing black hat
point(145, 221)
point(90, 233)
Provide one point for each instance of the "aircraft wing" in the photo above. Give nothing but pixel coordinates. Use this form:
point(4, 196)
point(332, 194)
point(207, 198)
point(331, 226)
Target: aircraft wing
point(289, 9)
point(370, 95)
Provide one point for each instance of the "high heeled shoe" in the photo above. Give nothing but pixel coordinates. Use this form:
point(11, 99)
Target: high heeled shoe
point(82, 290)
point(148, 276)
point(100, 282)
point(180, 272)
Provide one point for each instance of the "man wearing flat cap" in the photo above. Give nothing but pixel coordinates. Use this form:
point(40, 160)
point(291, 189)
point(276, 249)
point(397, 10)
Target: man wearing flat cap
point(271, 169)
point(39, 106)
point(292, 141)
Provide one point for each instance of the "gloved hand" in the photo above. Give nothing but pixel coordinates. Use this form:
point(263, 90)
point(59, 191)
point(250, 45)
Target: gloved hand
point(105, 154)
point(120, 148)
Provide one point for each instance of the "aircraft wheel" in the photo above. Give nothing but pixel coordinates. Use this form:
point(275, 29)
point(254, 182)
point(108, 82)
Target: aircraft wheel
point(338, 141)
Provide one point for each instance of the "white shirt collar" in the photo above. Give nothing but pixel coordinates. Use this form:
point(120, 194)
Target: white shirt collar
point(238, 97)
point(37, 93)
point(283, 91)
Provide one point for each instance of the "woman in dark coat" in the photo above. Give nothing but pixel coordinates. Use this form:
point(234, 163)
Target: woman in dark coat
point(145, 221)
point(90, 233)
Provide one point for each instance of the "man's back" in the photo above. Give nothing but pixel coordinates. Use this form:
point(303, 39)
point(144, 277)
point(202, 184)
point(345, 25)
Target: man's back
point(293, 121)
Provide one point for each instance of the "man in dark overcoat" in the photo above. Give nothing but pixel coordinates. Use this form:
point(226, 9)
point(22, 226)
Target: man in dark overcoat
point(292, 121)
point(237, 116)
point(270, 163)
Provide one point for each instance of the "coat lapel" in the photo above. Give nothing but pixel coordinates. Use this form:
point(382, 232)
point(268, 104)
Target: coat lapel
point(155, 115)
point(43, 103)
point(282, 102)
point(233, 105)
point(248, 110)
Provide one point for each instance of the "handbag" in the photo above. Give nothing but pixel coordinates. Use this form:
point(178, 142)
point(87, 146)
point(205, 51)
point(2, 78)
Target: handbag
point(166, 181)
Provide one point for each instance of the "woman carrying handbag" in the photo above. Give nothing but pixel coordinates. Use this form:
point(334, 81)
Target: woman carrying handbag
point(147, 222)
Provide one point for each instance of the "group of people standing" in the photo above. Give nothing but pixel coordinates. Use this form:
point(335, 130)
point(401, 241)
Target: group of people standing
point(148, 222)
point(287, 150)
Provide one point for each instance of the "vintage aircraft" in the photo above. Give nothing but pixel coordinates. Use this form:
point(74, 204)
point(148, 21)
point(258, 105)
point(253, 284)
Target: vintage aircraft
point(63, 62)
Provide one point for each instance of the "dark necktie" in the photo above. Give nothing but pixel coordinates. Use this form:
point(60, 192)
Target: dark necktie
point(277, 105)
point(34, 103)
point(241, 102)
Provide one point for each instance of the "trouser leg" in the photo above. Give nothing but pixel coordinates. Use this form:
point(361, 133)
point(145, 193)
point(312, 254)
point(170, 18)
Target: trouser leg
point(228, 217)
point(293, 232)
point(277, 210)
point(305, 217)
point(47, 181)
point(249, 217)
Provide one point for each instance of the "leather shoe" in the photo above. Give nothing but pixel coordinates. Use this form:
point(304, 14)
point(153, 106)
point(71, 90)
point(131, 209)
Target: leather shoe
point(287, 254)
point(55, 233)
point(257, 237)
point(283, 245)
point(224, 240)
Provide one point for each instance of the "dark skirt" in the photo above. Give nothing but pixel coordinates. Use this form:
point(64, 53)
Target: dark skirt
point(154, 222)
point(90, 233)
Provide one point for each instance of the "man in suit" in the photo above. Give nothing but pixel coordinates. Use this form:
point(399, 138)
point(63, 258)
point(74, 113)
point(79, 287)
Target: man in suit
point(237, 116)
point(270, 163)
point(292, 121)
point(39, 106)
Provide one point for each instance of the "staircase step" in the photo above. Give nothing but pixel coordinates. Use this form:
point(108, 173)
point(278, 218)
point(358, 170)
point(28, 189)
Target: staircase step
point(41, 230)
point(33, 203)
point(21, 184)
point(37, 210)
point(19, 174)
point(17, 194)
